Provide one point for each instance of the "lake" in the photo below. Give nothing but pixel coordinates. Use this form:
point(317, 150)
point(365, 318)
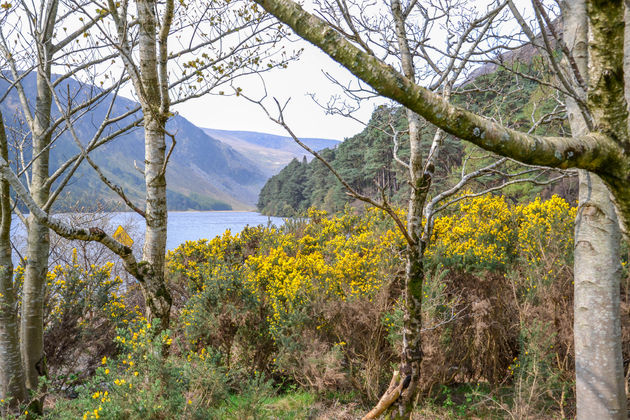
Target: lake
point(183, 225)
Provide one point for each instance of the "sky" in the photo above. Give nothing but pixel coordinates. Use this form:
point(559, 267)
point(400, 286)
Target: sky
point(302, 114)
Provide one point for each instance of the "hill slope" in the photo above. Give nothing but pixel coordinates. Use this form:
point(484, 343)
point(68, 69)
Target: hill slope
point(271, 152)
point(366, 160)
point(203, 173)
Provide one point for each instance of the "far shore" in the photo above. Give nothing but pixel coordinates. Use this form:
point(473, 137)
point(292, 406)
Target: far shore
point(170, 211)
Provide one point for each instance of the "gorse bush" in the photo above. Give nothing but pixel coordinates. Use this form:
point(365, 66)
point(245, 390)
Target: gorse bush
point(478, 233)
point(83, 306)
point(282, 301)
point(318, 302)
point(316, 305)
point(487, 233)
point(140, 383)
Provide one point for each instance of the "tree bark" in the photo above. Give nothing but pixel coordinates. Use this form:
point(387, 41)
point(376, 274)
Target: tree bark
point(12, 380)
point(597, 328)
point(38, 242)
point(603, 152)
point(155, 106)
point(600, 387)
point(411, 356)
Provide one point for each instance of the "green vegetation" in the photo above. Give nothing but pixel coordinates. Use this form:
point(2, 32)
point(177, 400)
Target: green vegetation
point(366, 160)
point(304, 321)
point(204, 173)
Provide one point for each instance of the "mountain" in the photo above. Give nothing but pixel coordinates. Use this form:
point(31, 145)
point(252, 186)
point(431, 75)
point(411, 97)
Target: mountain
point(270, 151)
point(364, 160)
point(203, 172)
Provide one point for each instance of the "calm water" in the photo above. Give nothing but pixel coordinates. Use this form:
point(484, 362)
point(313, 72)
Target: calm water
point(182, 226)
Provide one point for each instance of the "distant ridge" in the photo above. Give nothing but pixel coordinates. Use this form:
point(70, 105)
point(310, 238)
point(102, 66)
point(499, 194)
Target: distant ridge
point(270, 152)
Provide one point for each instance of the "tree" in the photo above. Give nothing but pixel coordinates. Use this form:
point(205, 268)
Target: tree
point(200, 30)
point(31, 40)
point(600, 149)
point(424, 201)
point(12, 381)
point(142, 46)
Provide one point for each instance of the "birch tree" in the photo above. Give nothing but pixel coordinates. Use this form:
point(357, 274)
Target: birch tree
point(87, 49)
point(217, 43)
point(444, 74)
point(12, 381)
point(600, 379)
point(31, 40)
point(599, 147)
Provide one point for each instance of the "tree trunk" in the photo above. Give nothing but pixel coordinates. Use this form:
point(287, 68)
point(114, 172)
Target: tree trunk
point(38, 242)
point(155, 106)
point(411, 357)
point(599, 371)
point(12, 381)
point(597, 328)
point(158, 300)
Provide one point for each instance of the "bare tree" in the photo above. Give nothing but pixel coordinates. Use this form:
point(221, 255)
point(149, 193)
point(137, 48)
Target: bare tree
point(32, 41)
point(12, 381)
point(217, 43)
point(599, 148)
point(401, 394)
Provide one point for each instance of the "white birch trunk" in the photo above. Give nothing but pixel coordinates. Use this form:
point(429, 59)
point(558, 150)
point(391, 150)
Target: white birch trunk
point(38, 242)
point(597, 328)
point(599, 371)
point(155, 106)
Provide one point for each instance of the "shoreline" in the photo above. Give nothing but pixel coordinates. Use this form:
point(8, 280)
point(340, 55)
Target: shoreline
point(168, 211)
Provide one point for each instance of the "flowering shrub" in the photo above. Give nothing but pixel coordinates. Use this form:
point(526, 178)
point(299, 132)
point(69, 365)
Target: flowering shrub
point(84, 293)
point(340, 258)
point(139, 383)
point(262, 297)
point(478, 232)
point(317, 303)
point(83, 306)
point(486, 232)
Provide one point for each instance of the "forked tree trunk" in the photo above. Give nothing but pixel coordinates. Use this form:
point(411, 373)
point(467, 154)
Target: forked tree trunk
point(12, 382)
point(155, 107)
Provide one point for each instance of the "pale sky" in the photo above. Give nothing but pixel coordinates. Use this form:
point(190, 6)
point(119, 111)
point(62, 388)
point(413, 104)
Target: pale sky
point(304, 116)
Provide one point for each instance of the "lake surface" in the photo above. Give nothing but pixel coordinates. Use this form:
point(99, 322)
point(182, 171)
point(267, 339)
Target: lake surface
point(182, 225)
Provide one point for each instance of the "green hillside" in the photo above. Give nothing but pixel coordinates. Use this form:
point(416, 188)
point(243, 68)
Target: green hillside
point(367, 163)
point(203, 172)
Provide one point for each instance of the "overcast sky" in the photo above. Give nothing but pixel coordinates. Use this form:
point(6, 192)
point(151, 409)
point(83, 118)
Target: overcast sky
point(304, 116)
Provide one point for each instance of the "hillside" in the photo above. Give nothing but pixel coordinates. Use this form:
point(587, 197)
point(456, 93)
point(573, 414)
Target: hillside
point(269, 151)
point(366, 160)
point(203, 172)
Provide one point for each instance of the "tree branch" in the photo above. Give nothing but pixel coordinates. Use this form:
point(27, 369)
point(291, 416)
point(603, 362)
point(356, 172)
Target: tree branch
point(595, 152)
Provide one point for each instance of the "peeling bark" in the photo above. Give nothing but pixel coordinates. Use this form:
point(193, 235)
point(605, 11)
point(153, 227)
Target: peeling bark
point(155, 106)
